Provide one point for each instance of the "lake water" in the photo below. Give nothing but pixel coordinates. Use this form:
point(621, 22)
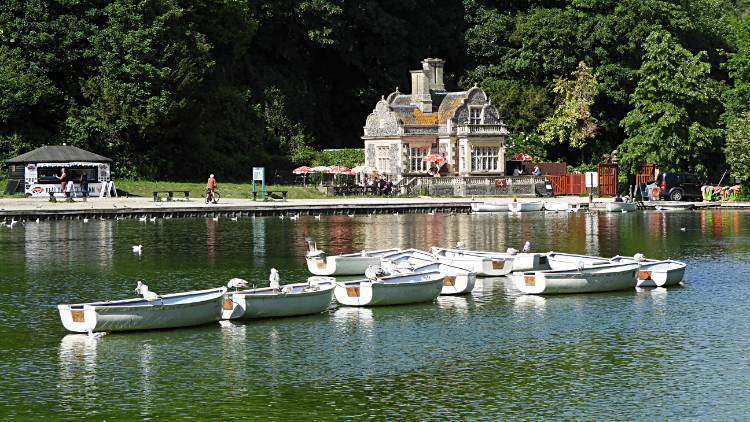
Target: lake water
point(681, 353)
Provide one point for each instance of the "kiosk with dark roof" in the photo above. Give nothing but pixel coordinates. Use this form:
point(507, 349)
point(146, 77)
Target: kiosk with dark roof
point(36, 170)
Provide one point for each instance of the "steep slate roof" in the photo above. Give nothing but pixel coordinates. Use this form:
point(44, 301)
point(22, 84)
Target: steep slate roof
point(443, 104)
point(57, 153)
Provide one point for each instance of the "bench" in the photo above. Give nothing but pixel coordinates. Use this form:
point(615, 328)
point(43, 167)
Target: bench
point(270, 192)
point(169, 198)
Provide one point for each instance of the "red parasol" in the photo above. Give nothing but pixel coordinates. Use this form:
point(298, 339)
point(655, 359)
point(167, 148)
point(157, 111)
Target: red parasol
point(338, 170)
point(522, 157)
point(434, 157)
point(303, 169)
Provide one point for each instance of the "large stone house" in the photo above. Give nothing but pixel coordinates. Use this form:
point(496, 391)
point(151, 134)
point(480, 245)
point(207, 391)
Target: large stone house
point(461, 126)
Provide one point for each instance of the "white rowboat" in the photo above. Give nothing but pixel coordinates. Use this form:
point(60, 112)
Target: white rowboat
point(603, 278)
point(525, 206)
point(483, 265)
point(349, 264)
point(269, 303)
point(655, 273)
point(561, 206)
point(173, 310)
point(675, 206)
point(394, 290)
point(484, 207)
point(457, 281)
point(621, 207)
point(521, 261)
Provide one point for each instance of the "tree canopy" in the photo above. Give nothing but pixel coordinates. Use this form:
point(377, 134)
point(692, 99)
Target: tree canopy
point(175, 89)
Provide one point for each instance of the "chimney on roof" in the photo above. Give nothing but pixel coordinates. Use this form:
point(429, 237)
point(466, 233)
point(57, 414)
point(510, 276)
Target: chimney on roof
point(420, 91)
point(434, 69)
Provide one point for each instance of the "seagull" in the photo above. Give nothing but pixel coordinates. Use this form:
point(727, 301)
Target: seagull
point(682, 228)
point(351, 215)
point(369, 215)
point(85, 220)
point(114, 205)
point(281, 216)
point(100, 334)
point(453, 213)
point(580, 266)
point(313, 250)
point(431, 213)
point(373, 272)
point(460, 245)
point(150, 296)
point(639, 257)
point(294, 217)
point(39, 206)
point(274, 279)
point(215, 218)
point(526, 247)
point(234, 218)
point(117, 218)
point(153, 219)
point(142, 218)
point(395, 213)
point(237, 283)
point(253, 215)
point(137, 248)
point(37, 220)
point(317, 217)
point(160, 204)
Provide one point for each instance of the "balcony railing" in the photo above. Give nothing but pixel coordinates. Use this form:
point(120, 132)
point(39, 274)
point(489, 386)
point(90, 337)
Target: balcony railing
point(481, 130)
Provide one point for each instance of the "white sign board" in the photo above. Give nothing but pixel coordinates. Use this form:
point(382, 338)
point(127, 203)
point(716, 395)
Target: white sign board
point(258, 174)
point(592, 179)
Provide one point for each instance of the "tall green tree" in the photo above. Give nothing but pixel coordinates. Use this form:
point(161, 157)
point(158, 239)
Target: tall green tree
point(737, 148)
point(674, 123)
point(572, 120)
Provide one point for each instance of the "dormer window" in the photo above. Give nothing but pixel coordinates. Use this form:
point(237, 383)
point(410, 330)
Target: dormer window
point(476, 115)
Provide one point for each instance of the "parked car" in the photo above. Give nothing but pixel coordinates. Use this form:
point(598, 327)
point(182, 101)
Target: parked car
point(678, 186)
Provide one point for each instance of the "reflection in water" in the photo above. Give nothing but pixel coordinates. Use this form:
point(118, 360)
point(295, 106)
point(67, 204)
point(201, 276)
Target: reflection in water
point(147, 376)
point(235, 354)
point(527, 302)
point(592, 234)
point(211, 241)
point(459, 304)
point(61, 244)
point(78, 370)
point(259, 240)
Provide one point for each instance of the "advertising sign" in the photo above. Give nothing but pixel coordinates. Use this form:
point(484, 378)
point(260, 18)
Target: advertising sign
point(592, 179)
point(501, 183)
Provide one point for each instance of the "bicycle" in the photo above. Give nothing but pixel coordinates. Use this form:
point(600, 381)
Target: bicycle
point(212, 196)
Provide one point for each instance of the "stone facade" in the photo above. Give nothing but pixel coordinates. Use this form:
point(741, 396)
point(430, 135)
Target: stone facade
point(464, 127)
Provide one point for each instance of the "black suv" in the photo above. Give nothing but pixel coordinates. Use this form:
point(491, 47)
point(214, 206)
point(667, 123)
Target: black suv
point(679, 186)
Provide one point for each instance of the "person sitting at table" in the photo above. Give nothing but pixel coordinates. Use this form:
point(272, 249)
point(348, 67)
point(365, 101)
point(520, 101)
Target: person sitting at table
point(432, 171)
point(536, 172)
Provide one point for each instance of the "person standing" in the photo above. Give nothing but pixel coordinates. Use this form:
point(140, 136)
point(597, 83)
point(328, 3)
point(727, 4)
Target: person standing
point(63, 181)
point(518, 171)
point(84, 184)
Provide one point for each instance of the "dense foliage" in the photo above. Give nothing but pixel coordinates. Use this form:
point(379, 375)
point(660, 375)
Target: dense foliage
point(175, 89)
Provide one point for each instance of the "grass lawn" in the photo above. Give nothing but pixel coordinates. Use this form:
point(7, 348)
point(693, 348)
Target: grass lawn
point(197, 190)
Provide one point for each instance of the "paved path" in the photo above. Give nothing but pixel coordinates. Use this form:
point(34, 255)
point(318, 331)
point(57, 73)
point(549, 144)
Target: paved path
point(129, 207)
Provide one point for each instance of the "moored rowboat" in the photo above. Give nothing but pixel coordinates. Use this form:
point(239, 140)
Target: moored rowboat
point(561, 206)
point(525, 206)
point(348, 264)
point(621, 207)
point(603, 278)
point(483, 265)
point(394, 290)
point(312, 297)
point(655, 273)
point(173, 310)
point(484, 207)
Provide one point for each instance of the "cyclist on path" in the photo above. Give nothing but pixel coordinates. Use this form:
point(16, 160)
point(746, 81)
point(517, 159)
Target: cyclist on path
point(211, 185)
